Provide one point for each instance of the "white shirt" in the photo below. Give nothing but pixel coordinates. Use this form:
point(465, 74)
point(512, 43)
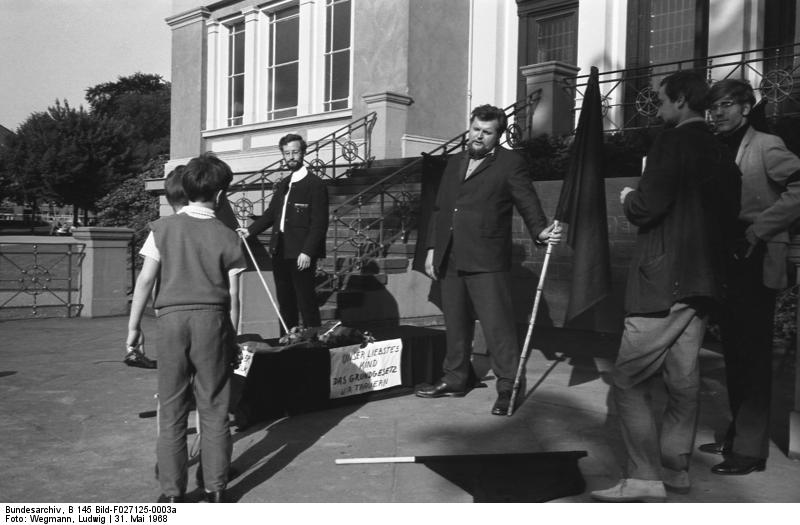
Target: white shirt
point(296, 176)
point(149, 248)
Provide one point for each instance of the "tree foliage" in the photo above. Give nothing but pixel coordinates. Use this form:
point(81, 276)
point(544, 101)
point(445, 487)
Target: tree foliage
point(143, 101)
point(69, 156)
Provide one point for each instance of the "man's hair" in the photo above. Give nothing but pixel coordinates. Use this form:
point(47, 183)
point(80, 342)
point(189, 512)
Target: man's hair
point(488, 112)
point(173, 187)
point(691, 85)
point(204, 176)
point(292, 137)
point(739, 90)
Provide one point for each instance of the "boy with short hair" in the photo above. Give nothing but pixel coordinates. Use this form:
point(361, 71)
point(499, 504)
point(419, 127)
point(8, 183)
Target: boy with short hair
point(195, 259)
point(173, 189)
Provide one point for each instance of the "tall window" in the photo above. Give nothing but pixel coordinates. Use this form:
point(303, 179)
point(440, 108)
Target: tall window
point(236, 74)
point(662, 31)
point(548, 30)
point(283, 63)
point(337, 55)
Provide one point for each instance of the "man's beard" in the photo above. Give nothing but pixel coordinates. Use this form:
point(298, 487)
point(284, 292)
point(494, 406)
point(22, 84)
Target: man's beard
point(293, 165)
point(477, 150)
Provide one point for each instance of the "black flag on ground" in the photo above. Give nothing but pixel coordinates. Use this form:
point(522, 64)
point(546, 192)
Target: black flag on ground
point(582, 205)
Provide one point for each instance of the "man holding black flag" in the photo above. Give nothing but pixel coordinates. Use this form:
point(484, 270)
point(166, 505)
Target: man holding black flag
point(469, 249)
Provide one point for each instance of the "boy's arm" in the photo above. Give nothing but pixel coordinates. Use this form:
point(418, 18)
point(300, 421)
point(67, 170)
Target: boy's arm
point(233, 290)
point(141, 294)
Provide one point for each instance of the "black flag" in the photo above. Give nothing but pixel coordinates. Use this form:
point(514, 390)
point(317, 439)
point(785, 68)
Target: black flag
point(582, 205)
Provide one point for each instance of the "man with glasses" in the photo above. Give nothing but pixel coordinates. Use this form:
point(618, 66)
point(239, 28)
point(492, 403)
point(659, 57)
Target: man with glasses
point(770, 203)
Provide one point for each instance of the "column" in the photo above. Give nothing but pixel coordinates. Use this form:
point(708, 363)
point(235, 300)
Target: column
point(105, 275)
point(553, 114)
point(794, 415)
point(391, 124)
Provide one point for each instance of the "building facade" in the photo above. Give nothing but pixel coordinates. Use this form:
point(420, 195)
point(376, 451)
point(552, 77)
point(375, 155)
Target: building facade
point(244, 72)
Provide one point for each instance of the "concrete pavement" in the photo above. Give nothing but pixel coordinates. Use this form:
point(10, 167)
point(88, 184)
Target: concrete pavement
point(77, 426)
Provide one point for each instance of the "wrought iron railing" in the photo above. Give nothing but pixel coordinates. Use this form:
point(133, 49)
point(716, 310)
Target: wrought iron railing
point(330, 157)
point(365, 225)
point(630, 98)
point(40, 280)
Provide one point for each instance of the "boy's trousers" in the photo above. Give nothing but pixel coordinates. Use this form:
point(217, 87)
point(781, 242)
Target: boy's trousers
point(196, 346)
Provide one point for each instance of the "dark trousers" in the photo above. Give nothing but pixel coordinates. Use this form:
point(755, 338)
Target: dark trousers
point(747, 329)
point(195, 351)
point(295, 290)
point(487, 296)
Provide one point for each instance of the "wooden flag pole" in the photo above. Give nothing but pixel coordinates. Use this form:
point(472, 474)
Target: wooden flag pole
point(524, 357)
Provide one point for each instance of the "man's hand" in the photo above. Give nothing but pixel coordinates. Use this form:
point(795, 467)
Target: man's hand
point(551, 234)
point(303, 261)
point(244, 233)
point(752, 239)
point(429, 269)
point(624, 193)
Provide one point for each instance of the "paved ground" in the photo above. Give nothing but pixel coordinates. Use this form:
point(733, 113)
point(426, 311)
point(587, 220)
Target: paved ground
point(76, 426)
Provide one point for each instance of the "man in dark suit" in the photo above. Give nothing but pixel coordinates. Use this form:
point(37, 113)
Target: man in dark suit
point(298, 213)
point(469, 248)
point(685, 207)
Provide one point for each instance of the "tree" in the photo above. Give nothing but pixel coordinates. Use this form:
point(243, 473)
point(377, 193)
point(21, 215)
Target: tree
point(69, 156)
point(141, 100)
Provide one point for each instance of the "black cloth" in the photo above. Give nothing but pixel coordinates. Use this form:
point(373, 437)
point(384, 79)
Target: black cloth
point(296, 378)
point(686, 207)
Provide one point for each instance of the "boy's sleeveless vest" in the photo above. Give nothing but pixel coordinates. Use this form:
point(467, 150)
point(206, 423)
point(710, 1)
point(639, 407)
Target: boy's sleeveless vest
point(196, 255)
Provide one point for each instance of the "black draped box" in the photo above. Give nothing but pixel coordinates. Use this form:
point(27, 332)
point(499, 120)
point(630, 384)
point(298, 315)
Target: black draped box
point(288, 380)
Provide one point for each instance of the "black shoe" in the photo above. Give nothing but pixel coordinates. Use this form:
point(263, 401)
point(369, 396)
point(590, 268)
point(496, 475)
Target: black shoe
point(722, 448)
point(217, 496)
point(135, 357)
point(169, 499)
point(739, 465)
point(440, 389)
point(500, 407)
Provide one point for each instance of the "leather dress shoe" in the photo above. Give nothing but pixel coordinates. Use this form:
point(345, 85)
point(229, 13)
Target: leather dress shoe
point(739, 465)
point(718, 447)
point(440, 389)
point(500, 407)
point(169, 499)
point(216, 496)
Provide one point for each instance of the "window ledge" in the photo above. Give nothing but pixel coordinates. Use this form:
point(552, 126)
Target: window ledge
point(291, 122)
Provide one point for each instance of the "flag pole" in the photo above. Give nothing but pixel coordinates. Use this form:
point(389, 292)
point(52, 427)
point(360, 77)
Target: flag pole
point(269, 294)
point(524, 356)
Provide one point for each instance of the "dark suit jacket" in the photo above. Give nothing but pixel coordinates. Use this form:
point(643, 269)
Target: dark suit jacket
point(685, 206)
point(475, 214)
point(306, 218)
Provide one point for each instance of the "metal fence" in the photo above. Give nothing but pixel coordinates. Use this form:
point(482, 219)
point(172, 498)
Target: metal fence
point(40, 280)
point(629, 96)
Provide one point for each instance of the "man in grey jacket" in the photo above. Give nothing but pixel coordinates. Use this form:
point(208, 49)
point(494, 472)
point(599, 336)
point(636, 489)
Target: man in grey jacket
point(770, 204)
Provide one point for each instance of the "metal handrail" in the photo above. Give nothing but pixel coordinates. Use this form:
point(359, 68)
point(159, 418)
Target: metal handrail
point(345, 154)
point(637, 103)
point(356, 232)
